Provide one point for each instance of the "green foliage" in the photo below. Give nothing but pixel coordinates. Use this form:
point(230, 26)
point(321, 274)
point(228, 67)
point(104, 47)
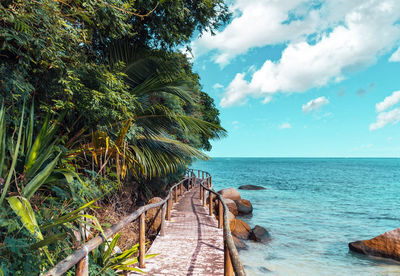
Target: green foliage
point(93, 96)
point(105, 258)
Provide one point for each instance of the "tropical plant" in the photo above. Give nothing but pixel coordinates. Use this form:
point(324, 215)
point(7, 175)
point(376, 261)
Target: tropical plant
point(119, 261)
point(29, 173)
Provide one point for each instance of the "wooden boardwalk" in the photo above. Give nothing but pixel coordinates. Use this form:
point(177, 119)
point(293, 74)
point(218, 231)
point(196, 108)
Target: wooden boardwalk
point(193, 243)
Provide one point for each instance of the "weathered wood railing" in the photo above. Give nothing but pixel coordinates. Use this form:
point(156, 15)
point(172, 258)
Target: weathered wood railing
point(231, 257)
point(232, 263)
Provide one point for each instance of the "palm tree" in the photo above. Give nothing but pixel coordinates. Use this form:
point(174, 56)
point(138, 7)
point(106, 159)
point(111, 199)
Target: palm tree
point(148, 142)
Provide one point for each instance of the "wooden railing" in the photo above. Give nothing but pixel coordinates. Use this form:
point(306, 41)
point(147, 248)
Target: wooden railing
point(231, 257)
point(232, 263)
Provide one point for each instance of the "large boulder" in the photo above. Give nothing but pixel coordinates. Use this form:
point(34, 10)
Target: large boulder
point(232, 221)
point(244, 206)
point(230, 193)
point(260, 234)
point(239, 243)
point(251, 187)
point(386, 245)
point(153, 216)
point(242, 229)
point(231, 206)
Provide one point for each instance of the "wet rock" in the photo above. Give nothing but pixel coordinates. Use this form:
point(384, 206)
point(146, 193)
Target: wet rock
point(386, 245)
point(260, 234)
point(230, 193)
point(242, 229)
point(244, 206)
point(239, 243)
point(231, 206)
point(251, 187)
point(263, 269)
point(153, 216)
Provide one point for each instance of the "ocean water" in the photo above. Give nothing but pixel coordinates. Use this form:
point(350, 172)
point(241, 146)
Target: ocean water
point(313, 207)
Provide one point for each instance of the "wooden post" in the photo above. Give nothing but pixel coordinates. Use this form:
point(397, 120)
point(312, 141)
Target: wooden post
point(82, 267)
point(210, 205)
point(169, 207)
point(220, 214)
point(198, 174)
point(228, 268)
point(202, 175)
point(204, 197)
point(142, 240)
point(162, 230)
point(181, 188)
point(176, 194)
point(201, 192)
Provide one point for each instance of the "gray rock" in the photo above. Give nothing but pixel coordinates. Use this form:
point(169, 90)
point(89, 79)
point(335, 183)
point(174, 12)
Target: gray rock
point(244, 206)
point(251, 187)
point(259, 234)
point(264, 269)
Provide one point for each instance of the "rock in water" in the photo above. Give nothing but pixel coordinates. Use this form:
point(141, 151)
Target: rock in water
point(230, 193)
point(251, 187)
point(386, 245)
point(263, 269)
point(260, 234)
point(241, 230)
point(244, 206)
point(231, 206)
point(239, 243)
point(153, 216)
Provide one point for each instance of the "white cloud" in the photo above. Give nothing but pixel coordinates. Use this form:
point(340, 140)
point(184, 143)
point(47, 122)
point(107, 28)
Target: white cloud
point(395, 57)
point(388, 102)
point(315, 104)
point(236, 92)
point(218, 86)
point(384, 118)
point(285, 126)
point(325, 41)
point(368, 32)
point(259, 23)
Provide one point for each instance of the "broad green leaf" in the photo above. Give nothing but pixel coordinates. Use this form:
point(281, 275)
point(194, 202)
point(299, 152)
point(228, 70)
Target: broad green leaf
point(35, 149)
point(39, 179)
point(24, 211)
point(48, 240)
point(111, 246)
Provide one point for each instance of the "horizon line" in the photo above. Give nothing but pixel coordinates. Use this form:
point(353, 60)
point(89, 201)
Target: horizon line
point(327, 157)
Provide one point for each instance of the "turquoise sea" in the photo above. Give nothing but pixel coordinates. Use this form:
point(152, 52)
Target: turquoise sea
point(313, 207)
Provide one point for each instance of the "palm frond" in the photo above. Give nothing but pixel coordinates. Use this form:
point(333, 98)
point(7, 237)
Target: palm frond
point(159, 119)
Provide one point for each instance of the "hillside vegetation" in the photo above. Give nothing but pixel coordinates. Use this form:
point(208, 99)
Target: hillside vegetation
point(96, 100)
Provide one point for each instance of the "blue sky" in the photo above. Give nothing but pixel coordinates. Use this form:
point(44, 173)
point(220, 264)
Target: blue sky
point(300, 78)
